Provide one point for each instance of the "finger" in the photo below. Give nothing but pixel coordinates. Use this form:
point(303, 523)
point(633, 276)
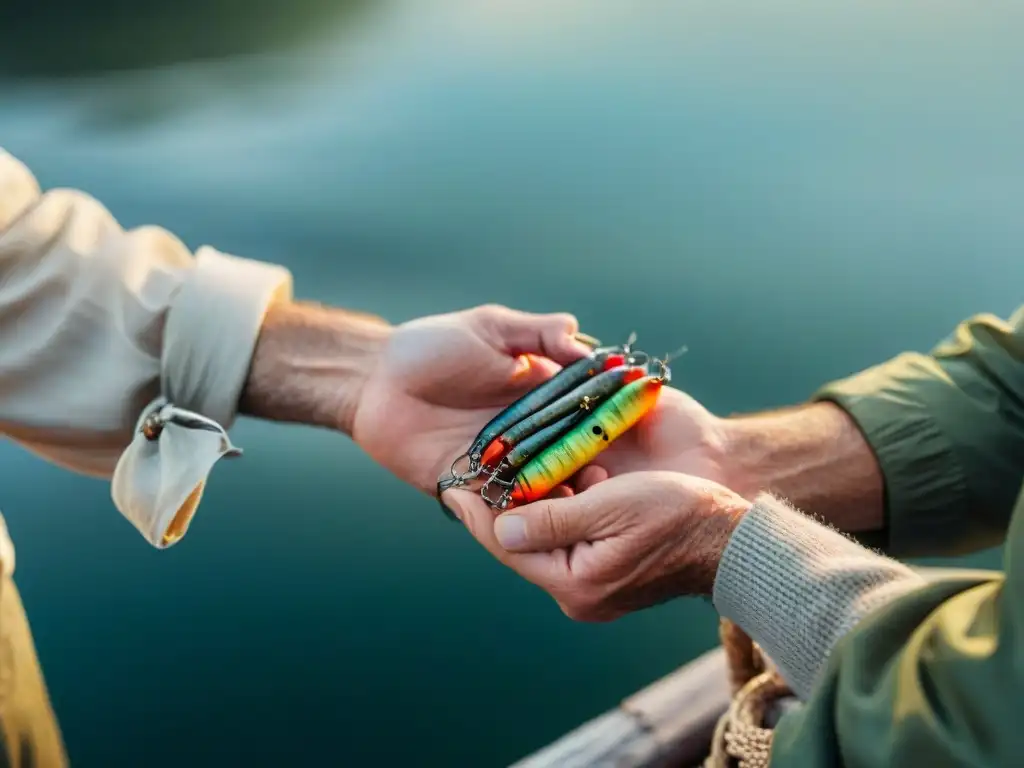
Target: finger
point(537, 567)
point(544, 526)
point(550, 335)
point(527, 371)
point(473, 512)
point(512, 377)
point(590, 476)
point(586, 338)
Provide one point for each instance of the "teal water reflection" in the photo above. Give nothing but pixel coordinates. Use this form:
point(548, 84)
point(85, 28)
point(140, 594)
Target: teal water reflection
point(795, 191)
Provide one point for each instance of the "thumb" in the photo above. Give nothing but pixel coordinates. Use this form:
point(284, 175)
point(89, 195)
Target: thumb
point(525, 333)
point(550, 524)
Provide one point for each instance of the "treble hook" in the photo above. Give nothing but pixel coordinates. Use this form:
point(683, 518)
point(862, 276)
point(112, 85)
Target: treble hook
point(678, 353)
point(444, 484)
point(666, 372)
point(638, 358)
point(502, 499)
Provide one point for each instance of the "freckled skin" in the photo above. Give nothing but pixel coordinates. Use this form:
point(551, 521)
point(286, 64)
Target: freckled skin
point(582, 444)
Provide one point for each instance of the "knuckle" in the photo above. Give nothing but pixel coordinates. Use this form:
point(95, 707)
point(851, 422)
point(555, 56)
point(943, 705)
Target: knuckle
point(470, 523)
point(573, 611)
point(581, 612)
point(553, 523)
point(589, 575)
point(599, 579)
point(565, 321)
point(583, 604)
point(491, 311)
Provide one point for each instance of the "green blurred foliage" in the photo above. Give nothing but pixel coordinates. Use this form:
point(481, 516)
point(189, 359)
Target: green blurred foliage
point(66, 38)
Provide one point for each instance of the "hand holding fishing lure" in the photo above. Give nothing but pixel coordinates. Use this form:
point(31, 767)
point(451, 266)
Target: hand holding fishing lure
point(556, 429)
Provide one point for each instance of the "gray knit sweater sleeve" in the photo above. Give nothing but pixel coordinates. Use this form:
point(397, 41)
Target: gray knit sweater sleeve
point(796, 587)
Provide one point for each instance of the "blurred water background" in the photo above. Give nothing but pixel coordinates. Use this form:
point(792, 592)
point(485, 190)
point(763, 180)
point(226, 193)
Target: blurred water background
point(796, 190)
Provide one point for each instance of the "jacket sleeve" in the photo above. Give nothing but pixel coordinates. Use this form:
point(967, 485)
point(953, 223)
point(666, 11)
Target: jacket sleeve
point(948, 431)
point(892, 669)
point(122, 353)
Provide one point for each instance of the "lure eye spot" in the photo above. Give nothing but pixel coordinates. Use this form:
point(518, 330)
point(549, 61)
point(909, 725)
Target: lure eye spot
point(597, 431)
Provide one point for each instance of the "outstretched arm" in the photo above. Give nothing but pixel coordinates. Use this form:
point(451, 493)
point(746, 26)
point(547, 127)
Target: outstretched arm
point(917, 456)
point(893, 670)
point(125, 354)
point(924, 449)
point(816, 456)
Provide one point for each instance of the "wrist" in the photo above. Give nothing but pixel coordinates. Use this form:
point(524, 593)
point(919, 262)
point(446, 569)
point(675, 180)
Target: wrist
point(748, 453)
point(311, 364)
point(724, 510)
point(703, 516)
point(813, 455)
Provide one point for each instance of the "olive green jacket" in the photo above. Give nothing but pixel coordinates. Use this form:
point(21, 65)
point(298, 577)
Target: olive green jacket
point(928, 674)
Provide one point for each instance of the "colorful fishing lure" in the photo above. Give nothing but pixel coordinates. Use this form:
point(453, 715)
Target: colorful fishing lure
point(547, 436)
point(570, 377)
point(585, 396)
point(585, 441)
point(510, 465)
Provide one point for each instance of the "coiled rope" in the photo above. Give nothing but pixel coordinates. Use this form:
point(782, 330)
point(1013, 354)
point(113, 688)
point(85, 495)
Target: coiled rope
point(742, 738)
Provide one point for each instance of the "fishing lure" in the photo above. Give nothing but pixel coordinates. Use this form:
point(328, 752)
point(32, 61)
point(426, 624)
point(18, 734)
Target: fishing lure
point(542, 439)
point(584, 441)
point(522, 450)
point(585, 396)
point(570, 377)
point(600, 359)
point(527, 449)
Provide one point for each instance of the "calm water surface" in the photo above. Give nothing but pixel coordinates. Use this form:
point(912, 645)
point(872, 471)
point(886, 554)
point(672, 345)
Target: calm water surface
point(795, 191)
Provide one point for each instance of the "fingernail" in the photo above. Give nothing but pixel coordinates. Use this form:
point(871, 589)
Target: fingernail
point(586, 338)
point(511, 531)
point(523, 366)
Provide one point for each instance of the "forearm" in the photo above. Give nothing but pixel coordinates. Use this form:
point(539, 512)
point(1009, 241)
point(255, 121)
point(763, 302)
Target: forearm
point(815, 456)
point(922, 449)
point(311, 363)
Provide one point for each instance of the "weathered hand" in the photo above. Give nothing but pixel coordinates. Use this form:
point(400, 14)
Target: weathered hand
point(437, 381)
point(624, 544)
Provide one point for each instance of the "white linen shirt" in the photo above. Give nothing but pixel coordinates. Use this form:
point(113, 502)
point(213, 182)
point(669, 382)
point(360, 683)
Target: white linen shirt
point(101, 328)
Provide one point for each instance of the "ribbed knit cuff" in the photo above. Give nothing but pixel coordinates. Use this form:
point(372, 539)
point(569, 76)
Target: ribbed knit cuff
point(796, 587)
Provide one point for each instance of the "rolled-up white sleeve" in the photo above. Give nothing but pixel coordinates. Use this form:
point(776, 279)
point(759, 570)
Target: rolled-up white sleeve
point(122, 353)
